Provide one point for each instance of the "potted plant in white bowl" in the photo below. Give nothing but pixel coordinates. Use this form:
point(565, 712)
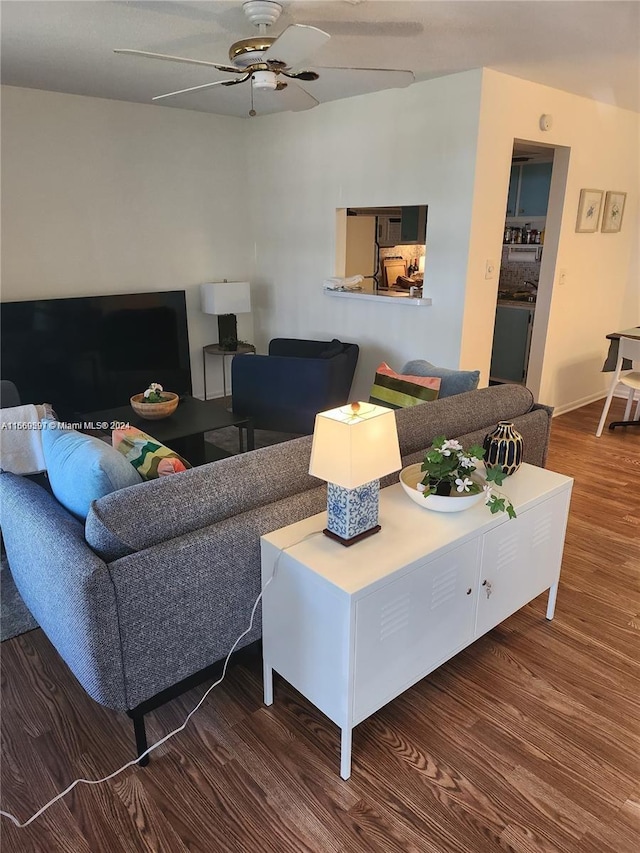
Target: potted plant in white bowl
point(448, 480)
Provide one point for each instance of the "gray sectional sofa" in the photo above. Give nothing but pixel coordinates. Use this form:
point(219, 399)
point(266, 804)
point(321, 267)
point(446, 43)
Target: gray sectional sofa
point(161, 580)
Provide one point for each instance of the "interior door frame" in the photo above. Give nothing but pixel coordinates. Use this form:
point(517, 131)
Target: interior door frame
point(547, 278)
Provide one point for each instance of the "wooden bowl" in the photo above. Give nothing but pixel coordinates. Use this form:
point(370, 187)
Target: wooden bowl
point(155, 411)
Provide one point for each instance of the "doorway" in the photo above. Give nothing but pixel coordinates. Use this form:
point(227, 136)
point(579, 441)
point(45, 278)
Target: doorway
point(533, 213)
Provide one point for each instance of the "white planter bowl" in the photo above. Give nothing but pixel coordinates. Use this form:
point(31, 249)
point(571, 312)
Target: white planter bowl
point(456, 502)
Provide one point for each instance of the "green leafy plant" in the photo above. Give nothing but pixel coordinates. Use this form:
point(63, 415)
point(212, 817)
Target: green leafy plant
point(153, 394)
point(449, 467)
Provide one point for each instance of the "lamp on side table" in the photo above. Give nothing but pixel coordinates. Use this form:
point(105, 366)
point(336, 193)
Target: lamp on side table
point(226, 299)
point(353, 446)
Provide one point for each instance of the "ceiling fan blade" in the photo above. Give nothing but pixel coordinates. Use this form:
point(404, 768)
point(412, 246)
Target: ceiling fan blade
point(300, 75)
point(203, 86)
point(296, 44)
point(293, 98)
point(146, 54)
point(334, 83)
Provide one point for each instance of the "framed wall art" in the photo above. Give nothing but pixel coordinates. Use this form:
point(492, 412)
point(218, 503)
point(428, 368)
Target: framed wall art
point(589, 210)
point(613, 212)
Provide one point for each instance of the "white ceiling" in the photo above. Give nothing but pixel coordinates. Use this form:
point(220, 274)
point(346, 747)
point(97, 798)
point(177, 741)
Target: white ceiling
point(590, 48)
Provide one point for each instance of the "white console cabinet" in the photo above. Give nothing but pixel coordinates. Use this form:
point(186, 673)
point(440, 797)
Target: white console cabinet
point(352, 628)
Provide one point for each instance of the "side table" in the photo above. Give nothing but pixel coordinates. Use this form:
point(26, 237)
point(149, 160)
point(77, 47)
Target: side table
point(216, 349)
point(352, 628)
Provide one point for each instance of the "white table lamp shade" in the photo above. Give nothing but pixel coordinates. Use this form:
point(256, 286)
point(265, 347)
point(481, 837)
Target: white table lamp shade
point(225, 297)
point(350, 449)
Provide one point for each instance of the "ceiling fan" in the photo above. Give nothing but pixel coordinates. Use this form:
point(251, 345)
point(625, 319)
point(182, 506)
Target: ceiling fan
point(274, 64)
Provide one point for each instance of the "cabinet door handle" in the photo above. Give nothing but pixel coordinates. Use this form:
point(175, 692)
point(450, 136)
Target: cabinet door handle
point(487, 587)
point(469, 591)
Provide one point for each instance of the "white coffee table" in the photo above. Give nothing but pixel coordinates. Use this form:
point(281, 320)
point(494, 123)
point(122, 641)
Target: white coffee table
point(352, 628)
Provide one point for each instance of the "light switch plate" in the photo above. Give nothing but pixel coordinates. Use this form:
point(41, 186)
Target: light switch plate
point(562, 277)
point(490, 269)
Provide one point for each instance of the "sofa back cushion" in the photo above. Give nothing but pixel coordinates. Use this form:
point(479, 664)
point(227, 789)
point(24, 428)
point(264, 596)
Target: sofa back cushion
point(82, 468)
point(122, 523)
point(133, 519)
point(459, 415)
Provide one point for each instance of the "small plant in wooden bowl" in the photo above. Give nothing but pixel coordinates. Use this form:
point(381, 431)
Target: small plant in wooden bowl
point(155, 403)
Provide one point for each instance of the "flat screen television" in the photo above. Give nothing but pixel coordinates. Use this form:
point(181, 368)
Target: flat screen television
point(91, 353)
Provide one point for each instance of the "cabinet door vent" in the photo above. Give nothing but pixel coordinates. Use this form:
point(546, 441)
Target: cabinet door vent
point(541, 530)
point(444, 587)
point(507, 551)
point(394, 616)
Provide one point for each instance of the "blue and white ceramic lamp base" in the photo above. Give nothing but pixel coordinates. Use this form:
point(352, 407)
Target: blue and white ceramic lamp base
point(352, 514)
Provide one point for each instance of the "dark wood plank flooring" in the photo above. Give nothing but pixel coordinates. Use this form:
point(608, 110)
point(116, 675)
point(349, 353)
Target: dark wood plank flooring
point(528, 741)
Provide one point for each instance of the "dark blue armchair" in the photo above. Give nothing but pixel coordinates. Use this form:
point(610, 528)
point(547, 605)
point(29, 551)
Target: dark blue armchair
point(287, 388)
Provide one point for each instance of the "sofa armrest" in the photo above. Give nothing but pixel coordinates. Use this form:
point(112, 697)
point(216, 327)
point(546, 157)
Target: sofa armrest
point(184, 603)
point(65, 585)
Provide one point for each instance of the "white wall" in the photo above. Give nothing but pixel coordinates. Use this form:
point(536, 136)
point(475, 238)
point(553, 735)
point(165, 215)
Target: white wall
point(101, 196)
point(600, 145)
point(448, 143)
point(104, 197)
point(408, 146)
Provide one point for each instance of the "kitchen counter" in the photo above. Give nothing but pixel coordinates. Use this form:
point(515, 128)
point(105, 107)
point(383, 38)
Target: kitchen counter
point(397, 297)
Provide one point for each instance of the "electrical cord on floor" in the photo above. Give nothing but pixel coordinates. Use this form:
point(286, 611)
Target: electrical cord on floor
point(181, 728)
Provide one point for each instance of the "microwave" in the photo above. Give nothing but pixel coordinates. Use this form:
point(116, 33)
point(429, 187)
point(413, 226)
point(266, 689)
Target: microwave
point(389, 230)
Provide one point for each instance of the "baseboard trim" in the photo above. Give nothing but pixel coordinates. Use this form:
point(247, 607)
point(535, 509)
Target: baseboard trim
point(584, 401)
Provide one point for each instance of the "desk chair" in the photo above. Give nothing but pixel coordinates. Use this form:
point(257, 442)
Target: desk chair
point(628, 348)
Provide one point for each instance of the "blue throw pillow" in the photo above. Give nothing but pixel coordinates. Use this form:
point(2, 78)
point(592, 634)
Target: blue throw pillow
point(81, 468)
point(453, 381)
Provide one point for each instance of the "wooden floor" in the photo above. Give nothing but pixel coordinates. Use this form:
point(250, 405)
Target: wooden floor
point(529, 740)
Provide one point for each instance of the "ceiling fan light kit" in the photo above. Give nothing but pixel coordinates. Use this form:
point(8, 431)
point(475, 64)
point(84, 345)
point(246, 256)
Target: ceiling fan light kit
point(262, 60)
point(264, 80)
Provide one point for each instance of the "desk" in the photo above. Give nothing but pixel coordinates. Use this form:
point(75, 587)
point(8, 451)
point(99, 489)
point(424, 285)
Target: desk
point(612, 359)
point(216, 349)
point(612, 356)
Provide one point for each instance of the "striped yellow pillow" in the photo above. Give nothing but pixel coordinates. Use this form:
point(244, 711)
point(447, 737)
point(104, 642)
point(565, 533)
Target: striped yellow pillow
point(397, 391)
point(150, 458)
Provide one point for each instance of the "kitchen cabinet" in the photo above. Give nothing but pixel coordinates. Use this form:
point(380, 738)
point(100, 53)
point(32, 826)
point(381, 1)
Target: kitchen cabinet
point(413, 226)
point(529, 186)
point(511, 342)
point(409, 228)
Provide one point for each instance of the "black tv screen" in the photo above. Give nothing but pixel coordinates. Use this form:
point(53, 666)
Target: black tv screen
point(91, 353)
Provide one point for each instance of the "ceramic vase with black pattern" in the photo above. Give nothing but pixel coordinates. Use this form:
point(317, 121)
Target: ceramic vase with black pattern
point(503, 448)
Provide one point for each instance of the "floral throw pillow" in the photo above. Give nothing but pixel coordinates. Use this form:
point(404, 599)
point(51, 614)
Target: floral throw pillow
point(149, 457)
